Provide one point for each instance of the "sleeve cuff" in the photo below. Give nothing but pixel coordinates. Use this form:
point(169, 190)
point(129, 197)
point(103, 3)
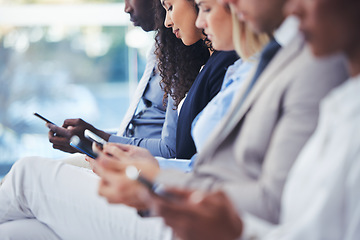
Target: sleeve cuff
point(118, 139)
point(173, 163)
point(255, 228)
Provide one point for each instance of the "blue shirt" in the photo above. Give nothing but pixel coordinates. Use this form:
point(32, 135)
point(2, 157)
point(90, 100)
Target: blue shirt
point(155, 125)
point(209, 118)
point(212, 114)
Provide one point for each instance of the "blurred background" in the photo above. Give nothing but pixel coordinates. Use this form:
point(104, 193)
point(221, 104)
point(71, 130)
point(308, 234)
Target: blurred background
point(64, 59)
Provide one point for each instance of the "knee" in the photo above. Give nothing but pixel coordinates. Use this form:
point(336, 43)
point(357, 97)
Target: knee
point(8, 232)
point(26, 229)
point(25, 163)
point(31, 163)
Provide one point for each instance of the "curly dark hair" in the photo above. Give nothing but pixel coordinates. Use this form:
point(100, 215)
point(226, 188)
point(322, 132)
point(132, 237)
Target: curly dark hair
point(178, 64)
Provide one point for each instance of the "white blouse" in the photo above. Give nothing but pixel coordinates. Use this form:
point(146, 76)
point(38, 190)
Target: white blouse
point(321, 199)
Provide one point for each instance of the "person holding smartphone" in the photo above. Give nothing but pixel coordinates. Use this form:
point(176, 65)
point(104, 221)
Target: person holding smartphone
point(151, 119)
point(250, 153)
point(77, 189)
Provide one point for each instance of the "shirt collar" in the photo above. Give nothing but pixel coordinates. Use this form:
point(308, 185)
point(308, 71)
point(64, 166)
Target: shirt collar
point(287, 31)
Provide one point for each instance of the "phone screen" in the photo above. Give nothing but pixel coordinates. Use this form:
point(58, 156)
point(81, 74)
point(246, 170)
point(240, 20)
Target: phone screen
point(95, 138)
point(76, 143)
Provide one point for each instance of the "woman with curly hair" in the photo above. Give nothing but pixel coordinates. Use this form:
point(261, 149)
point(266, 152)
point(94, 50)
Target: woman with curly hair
point(42, 195)
point(183, 49)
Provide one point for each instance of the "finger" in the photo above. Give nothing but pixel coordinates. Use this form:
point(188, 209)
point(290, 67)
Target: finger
point(110, 163)
point(51, 134)
point(59, 140)
point(105, 189)
point(48, 125)
point(71, 128)
point(68, 149)
point(89, 159)
point(145, 195)
point(58, 130)
point(95, 170)
point(123, 147)
point(57, 146)
point(196, 197)
point(96, 148)
point(71, 122)
point(112, 196)
point(93, 165)
point(114, 150)
point(99, 170)
point(54, 138)
point(215, 198)
point(119, 190)
point(103, 173)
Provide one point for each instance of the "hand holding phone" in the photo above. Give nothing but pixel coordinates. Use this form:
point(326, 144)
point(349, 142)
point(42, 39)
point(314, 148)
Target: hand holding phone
point(94, 138)
point(77, 144)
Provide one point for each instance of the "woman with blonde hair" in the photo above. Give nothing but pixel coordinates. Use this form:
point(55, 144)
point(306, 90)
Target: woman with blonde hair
point(42, 193)
point(246, 43)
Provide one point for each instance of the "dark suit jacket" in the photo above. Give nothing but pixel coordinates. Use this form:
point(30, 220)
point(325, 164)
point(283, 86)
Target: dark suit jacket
point(206, 85)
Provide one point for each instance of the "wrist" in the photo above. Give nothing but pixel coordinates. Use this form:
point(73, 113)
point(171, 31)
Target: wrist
point(102, 134)
point(153, 174)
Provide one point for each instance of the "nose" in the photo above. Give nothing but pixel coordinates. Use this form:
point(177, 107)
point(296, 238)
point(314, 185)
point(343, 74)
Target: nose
point(168, 21)
point(127, 7)
point(200, 21)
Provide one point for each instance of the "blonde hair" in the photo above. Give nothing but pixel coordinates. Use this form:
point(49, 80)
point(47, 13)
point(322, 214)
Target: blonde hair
point(246, 42)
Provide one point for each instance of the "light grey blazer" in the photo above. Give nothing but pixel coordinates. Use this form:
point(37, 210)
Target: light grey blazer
point(251, 151)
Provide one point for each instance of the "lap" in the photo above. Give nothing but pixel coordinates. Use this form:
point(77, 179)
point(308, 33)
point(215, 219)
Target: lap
point(66, 199)
point(26, 229)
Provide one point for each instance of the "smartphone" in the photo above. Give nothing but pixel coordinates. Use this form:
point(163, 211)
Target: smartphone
point(43, 118)
point(95, 138)
point(134, 174)
point(76, 143)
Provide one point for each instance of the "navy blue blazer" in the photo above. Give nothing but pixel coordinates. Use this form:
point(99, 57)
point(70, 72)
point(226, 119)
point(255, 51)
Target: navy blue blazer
point(206, 85)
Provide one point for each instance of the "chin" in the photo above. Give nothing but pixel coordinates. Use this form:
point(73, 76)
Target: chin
point(255, 27)
point(147, 27)
point(320, 51)
point(218, 47)
point(187, 42)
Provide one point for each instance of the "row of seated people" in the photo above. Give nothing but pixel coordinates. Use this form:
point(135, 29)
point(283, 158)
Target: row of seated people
point(265, 145)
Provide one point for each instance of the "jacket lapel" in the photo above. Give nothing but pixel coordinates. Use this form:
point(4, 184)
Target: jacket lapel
point(236, 113)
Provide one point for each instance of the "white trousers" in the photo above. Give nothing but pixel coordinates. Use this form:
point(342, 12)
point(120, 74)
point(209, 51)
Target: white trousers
point(26, 229)
point(47, 199)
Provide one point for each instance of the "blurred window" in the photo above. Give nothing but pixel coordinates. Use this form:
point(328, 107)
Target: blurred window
point(63, 59)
